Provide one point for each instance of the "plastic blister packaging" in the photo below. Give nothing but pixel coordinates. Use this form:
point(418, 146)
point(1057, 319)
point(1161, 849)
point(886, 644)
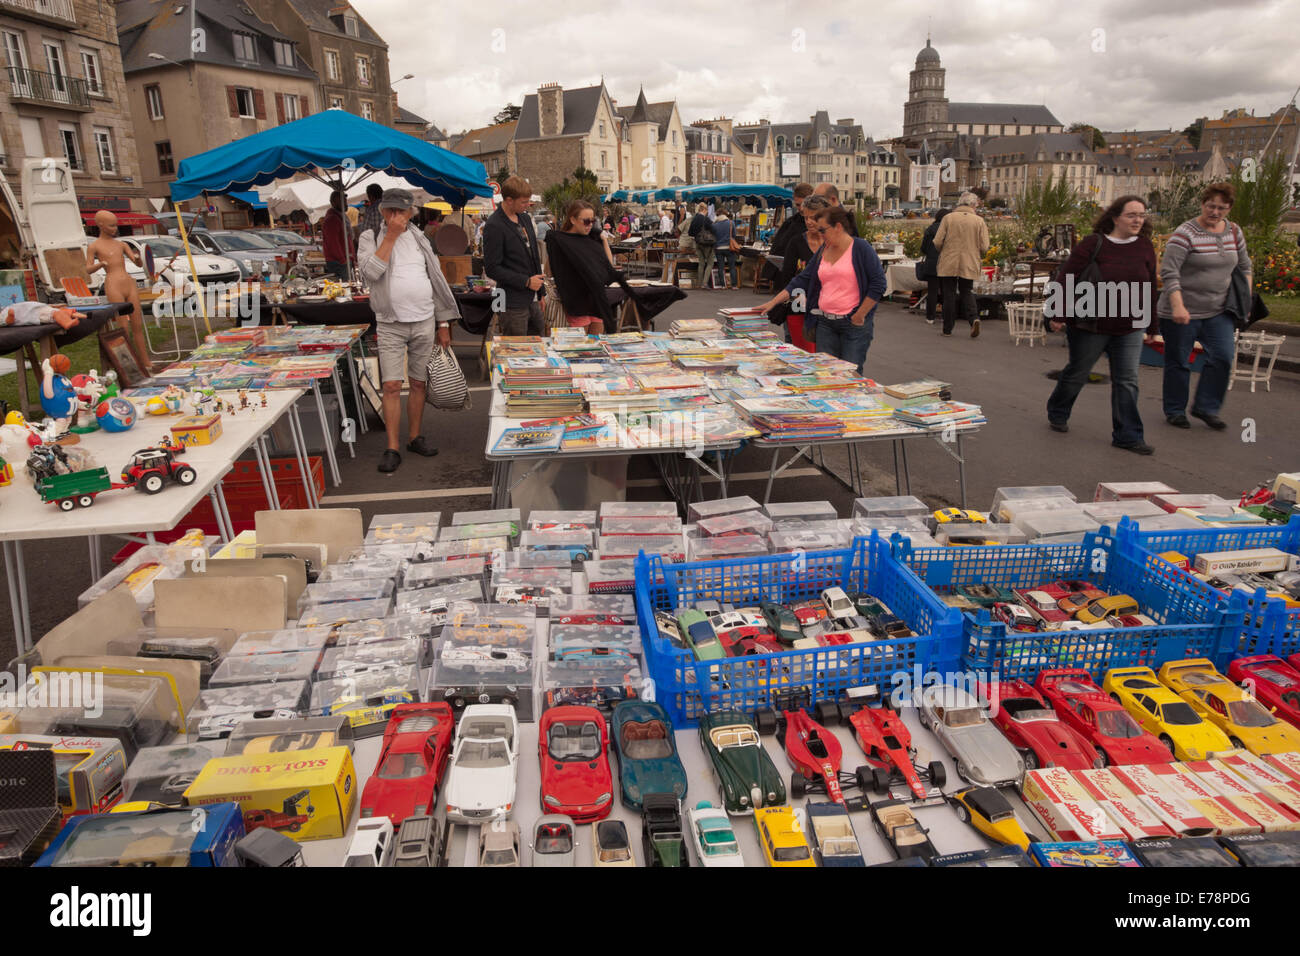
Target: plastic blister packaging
point(289, 734)
point(1120, 490)
point(785, 541)
point(286, 640)
point(573, 541)
point(669, 546)
point(205, 645)
point(1022, 492)
point(367, 695)
point(221, 708)
point(343, 661)
point(531, 559)
point(891, 506)
point(610, 576)
point(592, 684)
point(264, 668)
point(469, 548)
point(436, 573)
point(700, 510)
point(733, 545)
point(139, 572)
point(748, 522)
point(780, 511)
point(593, 609)
point(948, 535)
point(579, 637)
point(1173, 502)
point(343, 612)
point(864, 525)
point(1109, 512)
point(534, 586)
point(637, 509)
point(403, 528)
point(482, 517)
point(1059, 526)
point(354, 589)
point(561, 520)
point(1171, 522)
point(485, 674)
point(398, 627)
point(367, 564)
point(1012, 509)
point(139, 710)
point(641, 526)
point(488, 529)
point(161, 774)
point(435, 600)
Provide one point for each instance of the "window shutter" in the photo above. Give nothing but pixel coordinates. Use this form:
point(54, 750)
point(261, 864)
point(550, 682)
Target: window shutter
point(302, 106)
point(259, 104)
point(233, 100)
point(279, 108)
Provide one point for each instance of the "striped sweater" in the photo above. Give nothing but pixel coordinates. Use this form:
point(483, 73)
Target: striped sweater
point(1200, 265)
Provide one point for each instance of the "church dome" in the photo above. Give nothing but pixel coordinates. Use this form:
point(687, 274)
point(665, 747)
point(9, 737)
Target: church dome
point(928, 55)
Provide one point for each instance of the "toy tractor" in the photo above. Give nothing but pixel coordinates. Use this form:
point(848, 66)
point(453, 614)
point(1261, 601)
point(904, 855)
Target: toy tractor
point(151, 468)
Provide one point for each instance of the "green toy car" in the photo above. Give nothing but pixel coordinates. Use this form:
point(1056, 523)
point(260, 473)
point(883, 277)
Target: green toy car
point(746, 775)
point(782, 621)
point(699, 634)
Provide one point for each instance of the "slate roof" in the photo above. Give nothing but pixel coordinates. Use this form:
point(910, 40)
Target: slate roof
point(319, 15)
point(492, 139)
point(1028, 146)
point(154, 26)
point(999, 114)
point(580, 107)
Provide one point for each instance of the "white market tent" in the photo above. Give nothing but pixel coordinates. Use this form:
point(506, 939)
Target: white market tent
point(313, 196)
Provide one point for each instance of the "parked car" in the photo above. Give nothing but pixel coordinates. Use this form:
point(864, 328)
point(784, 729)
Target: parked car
point(610, 845)
point(1162, 712)
point(712, 839)
point(833, 838)
point(746, 775)
point(782, 836)
point(254, 255)
point(1106, 724)
point(1034, 729)
point(484, 764)
point(417, 744)
point(646, 751)
point(498, 843)
point(554, 840)
point(1248, 724)
point(983, 755)
point(662, 841)
point(372, 844)
point(286, 240)
point(171, 263)
point(573, 751)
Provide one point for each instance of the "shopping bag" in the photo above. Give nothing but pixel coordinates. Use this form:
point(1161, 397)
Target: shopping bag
point(445, 386)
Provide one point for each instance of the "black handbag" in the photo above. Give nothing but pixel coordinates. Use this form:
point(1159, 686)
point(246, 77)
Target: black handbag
point(1244, 305)
point(1091, 272)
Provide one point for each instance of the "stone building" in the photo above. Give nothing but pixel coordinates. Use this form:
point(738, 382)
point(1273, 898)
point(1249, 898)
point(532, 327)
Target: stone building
point(836, 153)
point(656, 144)
point(493, 146)
point(1240, 134)
point(560, 130)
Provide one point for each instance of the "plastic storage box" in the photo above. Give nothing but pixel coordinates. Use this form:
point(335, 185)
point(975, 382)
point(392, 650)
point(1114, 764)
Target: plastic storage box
point(699, 510)
point(895, 506)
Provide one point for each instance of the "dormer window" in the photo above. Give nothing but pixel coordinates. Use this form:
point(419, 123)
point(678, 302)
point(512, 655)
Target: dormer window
point(284, 54)
point(351, 25)
point(245, 47)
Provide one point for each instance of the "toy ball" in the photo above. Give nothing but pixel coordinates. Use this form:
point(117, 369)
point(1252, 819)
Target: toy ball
point(60, 363)
point(115, 415)
point(156, 406)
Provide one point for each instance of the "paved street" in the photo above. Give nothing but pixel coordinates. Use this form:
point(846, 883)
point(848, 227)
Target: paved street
point(1015, 448)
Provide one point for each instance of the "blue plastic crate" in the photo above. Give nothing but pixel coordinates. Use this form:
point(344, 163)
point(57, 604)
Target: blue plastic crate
point(1268, 626)
point(1191, 619)
point(688, 688)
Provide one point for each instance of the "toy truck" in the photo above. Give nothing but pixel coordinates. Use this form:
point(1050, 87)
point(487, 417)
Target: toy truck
point(78, 488)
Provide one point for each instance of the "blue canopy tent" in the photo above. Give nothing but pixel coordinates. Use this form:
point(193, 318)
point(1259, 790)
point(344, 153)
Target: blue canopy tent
point(755, 193)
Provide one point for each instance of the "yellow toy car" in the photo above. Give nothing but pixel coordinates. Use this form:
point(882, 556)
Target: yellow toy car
point(1162, 712)
point(960, 516)
point(782, 836)
point(989, 812)
point(1248, 723)
point(1114, 605)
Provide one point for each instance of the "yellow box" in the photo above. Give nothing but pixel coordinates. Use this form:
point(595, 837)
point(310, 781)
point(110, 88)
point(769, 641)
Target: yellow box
point(305, 794)
point(197, 430)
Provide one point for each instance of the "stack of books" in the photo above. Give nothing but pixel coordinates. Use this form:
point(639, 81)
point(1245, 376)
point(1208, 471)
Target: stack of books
point(539, 386)
point(696, 329)
point(741, 322)
point(929, 414)
point(917, 389)
point(792, 427)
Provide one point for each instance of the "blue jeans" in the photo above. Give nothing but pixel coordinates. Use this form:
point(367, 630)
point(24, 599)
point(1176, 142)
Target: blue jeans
point(727, 263)
point(1124, 352)
point(838, 336)
point(1215, 334)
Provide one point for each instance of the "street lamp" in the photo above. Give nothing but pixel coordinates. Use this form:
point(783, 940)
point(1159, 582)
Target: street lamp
point(409, 76)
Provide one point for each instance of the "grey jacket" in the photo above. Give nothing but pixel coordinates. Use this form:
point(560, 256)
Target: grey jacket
point(375, 271)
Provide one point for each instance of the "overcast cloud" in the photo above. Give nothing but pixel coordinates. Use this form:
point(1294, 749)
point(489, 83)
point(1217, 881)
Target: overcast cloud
point(1118, 64)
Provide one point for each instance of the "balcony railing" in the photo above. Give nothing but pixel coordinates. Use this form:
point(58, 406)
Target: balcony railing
point(48, 10)
point(50, 89)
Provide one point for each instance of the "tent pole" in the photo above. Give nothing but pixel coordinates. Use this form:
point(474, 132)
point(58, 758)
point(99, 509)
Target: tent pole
point(194, 273)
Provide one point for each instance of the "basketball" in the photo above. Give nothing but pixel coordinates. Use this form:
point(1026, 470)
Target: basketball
point(60, 363)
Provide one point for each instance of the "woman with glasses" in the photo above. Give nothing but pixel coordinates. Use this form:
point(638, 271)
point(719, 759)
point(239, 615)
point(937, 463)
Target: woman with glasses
point(842, 285)
point(1196, 273)
point(1119, 253)
point(579, 260)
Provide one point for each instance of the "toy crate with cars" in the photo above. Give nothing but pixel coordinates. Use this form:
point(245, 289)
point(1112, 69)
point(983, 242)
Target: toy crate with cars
point(689, 687)
point(1181, 617)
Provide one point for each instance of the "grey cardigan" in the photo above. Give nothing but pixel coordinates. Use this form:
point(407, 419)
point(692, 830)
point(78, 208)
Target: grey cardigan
point(375, 271)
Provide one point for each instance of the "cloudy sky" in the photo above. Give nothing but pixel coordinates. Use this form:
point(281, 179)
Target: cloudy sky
point(1117, 64)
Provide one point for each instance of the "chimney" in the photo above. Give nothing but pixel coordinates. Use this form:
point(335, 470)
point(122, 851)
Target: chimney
point(550, 109)
point(844, 122)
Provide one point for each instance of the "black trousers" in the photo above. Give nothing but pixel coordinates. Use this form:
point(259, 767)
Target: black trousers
point(958, 290)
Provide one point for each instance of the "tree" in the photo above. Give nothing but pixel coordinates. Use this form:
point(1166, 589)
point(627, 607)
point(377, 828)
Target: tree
point(583, 185)
point(1046, 202)
point(1263, 195)
point(1194, 131)
point(508, 114)
point(1178, 201)
point(1091, 135)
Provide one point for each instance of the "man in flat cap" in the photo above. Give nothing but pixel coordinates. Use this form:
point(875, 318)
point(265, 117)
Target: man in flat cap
point(413, 308)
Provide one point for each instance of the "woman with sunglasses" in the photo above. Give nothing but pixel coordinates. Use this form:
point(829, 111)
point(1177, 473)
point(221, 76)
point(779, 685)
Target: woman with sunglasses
point(842, 285)
point(579, 260)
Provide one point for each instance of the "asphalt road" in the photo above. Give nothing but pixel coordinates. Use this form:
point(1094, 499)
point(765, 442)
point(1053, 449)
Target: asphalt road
point(1015, 448)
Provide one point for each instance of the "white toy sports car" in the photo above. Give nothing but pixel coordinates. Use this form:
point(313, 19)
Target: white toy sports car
point(484, 764)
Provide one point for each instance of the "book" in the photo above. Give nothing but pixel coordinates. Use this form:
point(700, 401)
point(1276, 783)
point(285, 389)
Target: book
point(915, 389)
point(529, 440)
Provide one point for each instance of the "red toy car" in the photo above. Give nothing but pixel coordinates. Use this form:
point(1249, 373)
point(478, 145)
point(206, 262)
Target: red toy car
point(1086, 708)
point(592, 617)
point(573, 749)
point(887, 742)
point(1042, 604)
point(417, 744)
point(816, 755)
point(1015, 617)
point(1034, 729)
point(749, 639)
point(1274, 682)
point(808, 613)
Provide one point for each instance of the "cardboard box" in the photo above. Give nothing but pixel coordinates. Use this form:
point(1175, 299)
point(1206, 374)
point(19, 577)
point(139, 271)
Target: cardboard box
point(196, 430)
point(283, 736)
point(1065, 807)
point(1264, 778)
point(1260, 807)
point(90, 769)
point(150, 838)
point(1182, 851)
point(29, 805)
point(1287, 763)
point(1265, 849)
point(1133, 815)
point(1092, 853)
point(1227, 818)
point(307, 795)
point(1179, 815)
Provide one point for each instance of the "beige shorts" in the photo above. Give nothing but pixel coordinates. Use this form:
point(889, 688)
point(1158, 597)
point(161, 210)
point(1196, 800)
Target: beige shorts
point(405, 349)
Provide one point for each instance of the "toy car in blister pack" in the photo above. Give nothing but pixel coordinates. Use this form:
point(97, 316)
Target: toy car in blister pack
point(593, 609)
point(640, 526)
point(139, 710)
point(404, 527)
point(727, 546)
point(747, 523)
point(367, 696)
point(353, 589)
point(780, 511)
point(534, 586)
point(364, 564)
point(601, 686)
point(625, 638)
point(483, 517)
point(489, 529)
point(154, 838)
point(637, 509)
point(484, 674)
point(264, 668)
point(466, 614)
point(221, 708)
point(720, 507)
point(787, 541)
point(173, 643)
point(435, 573)
point(434, 601)
point(667, 546)
point(344, 612)
point(161, 774)
point(293, 733)
point(562, 521)
point(610, 576)
point(340, 661)
point(577, 544)
point(893, 506)
point(531, 559)
point(469, 548)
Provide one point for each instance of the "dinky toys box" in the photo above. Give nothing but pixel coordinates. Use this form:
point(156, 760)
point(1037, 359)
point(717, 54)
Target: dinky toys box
point(307, 794)
point(29, 805)
point(181, 837)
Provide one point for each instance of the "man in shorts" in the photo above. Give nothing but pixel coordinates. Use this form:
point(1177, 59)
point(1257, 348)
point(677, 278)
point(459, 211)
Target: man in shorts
point(413, 308)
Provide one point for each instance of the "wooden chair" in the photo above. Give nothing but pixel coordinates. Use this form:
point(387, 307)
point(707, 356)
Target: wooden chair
point(762, 283)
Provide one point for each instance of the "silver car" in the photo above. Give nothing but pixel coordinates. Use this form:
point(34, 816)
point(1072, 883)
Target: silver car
point(983, 755)
point(554, 840)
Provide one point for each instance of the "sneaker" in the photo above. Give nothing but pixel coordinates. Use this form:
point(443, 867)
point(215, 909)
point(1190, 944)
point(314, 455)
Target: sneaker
point(1178, 421)
point(975, 329)
point(1137, 447)
point(1214, 421)
point(1058, 426)
point(389, 462)
point(421, 447)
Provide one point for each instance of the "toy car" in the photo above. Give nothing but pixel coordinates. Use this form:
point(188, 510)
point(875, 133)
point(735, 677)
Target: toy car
point(372, 844)
point(363, 712)
point(782, 621)
point(218, 726)
point(610, 845)
point(1086, 708)
point(1016, 618)
point(498, 843)
point(983, 755)
point(745, 774)
point(1114, 605)
point(417, 744)
point(1273, 681)
point(1248, 724)
point(485, 659)
point(662, 842)
point(1042, 604)
point(699, 633)
point(593, 617)
point(484, 764)
point(554, 841)
point(1077, 598)
point(837, 603)
point(418, 842)
point(538, 596)
point(959, 516)
point(712, 840)
point(906, 837)
point(833, 839)
point(986, 595)
point(816, 756)
point(573, 751)
point(748, 640)
point(808, 613)
point(646, 750)
point(989, 812)
point(1034, 729)
point(782, 836)
point(887, 742)
point(669, 630)
point(1162, 712)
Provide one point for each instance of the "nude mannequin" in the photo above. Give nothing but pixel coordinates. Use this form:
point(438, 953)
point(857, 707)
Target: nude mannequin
point(107, 253)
